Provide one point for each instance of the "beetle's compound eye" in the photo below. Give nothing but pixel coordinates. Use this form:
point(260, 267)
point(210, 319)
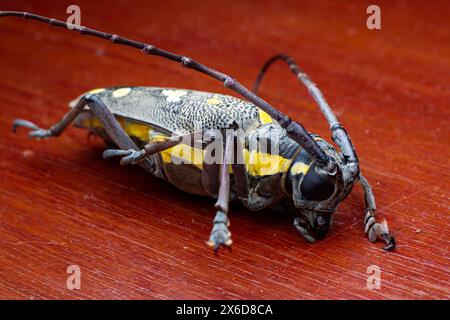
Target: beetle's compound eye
point(316, 187)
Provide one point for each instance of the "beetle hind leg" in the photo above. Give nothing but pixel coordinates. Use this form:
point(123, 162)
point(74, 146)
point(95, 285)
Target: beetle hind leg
point(96, 105)
point(56, 129)
point(36, 132)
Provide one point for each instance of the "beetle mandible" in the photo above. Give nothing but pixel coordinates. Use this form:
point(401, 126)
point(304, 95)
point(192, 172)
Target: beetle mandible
point(151, 127)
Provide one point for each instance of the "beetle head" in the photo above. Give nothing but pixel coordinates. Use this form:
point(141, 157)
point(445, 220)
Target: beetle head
point(313, 194)
point(316, 193)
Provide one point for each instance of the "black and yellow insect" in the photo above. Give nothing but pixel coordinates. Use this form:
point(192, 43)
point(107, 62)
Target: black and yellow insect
point(221, 146)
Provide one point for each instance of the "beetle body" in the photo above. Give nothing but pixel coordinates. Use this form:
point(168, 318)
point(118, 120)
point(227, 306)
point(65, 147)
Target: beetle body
point(149, 114)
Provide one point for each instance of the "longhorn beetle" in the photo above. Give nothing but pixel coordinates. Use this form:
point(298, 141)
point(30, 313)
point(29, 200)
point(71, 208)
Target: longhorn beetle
point(152, 127)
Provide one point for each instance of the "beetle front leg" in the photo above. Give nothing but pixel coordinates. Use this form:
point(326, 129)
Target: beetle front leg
point(372, 228)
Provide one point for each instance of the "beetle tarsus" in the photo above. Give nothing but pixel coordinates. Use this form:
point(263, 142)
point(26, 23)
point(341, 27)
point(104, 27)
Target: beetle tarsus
point(134, 157)
point(372, 228)
point(130, 156)
point(376, 230)
point(23, 123)
point(390, 242)
point(36, 132)
point(220, 235)
point(40, 134)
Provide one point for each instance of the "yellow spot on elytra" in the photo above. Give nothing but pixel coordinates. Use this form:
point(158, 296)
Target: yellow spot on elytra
point(299, 167)
point(265, 164)
point(133, 129)
point(264, 117)
point(122, 92)
point(213, 101)
point(98, 90)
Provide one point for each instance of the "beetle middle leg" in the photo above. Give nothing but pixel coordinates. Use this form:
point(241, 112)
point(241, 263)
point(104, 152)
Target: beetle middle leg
point(132, 156)
point(220, 235)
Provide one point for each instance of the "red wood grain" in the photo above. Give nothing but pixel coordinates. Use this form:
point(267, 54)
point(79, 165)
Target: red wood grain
point(134, 236)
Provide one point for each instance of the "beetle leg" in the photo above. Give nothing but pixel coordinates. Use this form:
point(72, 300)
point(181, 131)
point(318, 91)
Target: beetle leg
point(211, 168)
point(220, 235)
point(132, 156)
point(54, 130)
point(112, 126)
point(372, 228)
point(239, 170)
point(129, 156)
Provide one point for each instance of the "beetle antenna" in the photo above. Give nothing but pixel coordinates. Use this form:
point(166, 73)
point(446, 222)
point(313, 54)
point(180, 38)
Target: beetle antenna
point(339, 134)
point(295, 130)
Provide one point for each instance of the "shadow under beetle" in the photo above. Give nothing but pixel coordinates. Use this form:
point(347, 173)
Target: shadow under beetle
point(156, 127)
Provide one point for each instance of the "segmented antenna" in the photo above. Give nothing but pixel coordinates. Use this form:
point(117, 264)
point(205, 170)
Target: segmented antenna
point(340, 135)
point(295, 130)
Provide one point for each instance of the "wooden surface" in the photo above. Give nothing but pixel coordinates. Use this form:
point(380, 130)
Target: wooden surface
point(134, 236)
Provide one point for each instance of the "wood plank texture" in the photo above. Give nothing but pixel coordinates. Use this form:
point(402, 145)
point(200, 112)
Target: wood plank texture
point(134, 236)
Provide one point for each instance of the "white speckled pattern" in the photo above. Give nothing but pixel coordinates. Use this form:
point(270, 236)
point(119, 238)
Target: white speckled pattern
point(179, 111)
